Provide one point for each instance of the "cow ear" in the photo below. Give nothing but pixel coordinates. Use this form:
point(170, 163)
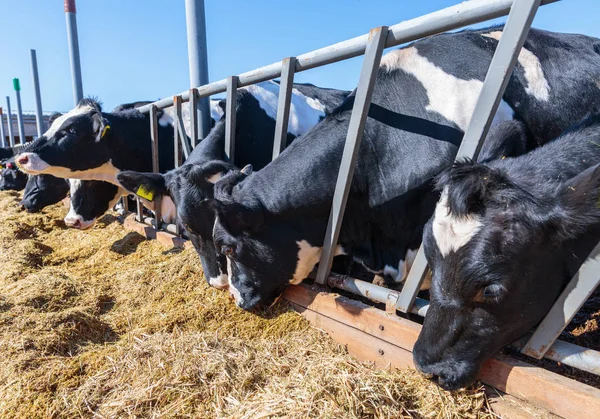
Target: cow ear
point(578, 204)
point(101, 126)
point(247, 170)
point(145, 185)
point(238, 218)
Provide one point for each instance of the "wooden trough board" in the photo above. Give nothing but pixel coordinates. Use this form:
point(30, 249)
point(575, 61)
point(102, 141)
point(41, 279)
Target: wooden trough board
point(387, 340)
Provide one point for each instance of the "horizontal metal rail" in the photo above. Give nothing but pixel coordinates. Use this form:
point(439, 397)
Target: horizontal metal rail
point(563, 352)
point(455, 17)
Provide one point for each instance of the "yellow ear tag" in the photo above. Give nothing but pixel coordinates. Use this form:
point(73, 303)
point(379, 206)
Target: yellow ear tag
point(105, 130)
point(144, 193)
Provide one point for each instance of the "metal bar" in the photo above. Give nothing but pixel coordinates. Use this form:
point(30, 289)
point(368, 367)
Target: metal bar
point(139, 209)
point(194, 117)
point(360, 109)
point(155, 162)
point(2, 133)
point(11, 135)
point(20, 124)
point(454, 17)
point(230, 115)
point(177, 132)
point(564, 352)
point(577, 291)
point(125, 202)
point(39, 115)
point(283, 105)
point(497, 77)
point(198, 60)
point(180, 128)
point(71, 17)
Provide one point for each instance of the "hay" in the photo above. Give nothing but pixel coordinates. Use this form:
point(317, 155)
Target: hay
point(105, 324)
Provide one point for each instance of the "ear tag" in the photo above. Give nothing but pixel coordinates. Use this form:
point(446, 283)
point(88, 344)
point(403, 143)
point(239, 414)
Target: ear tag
point(105, 130)
point(142, 192)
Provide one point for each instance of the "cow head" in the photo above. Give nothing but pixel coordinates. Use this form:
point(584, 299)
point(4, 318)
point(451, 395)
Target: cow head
point(191, 188)
point(43, 190)
point(11, 178)
point(265, 251)
point(75, 142)
point(497, 251)
point(90, 199)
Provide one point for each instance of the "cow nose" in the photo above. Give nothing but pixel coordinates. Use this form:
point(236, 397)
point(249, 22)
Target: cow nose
point(22, 159)
point(73, 222)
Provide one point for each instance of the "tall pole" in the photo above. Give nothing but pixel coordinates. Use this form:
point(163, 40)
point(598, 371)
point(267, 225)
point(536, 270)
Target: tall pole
point(70, 13)
point(197, 57)
point(17, 87)
point(11, 136)
point(39, 116)
point(2, 134)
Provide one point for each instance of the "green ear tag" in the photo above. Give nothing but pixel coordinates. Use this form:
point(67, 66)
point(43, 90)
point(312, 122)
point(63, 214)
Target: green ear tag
point(144, 193)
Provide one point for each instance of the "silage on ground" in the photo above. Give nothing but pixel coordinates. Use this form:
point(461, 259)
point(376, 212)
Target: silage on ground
point(102, 323)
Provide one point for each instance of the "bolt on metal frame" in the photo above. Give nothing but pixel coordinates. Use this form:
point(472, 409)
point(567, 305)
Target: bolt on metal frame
point(521, 14)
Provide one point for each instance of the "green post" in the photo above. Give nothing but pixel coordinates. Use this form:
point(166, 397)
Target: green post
point(16, 84)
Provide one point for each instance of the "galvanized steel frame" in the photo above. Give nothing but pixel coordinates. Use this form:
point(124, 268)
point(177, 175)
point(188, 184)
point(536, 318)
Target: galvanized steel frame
point(521, 14)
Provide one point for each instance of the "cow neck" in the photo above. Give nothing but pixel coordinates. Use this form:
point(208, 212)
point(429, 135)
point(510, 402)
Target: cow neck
point(130, 140)
point(212, 147)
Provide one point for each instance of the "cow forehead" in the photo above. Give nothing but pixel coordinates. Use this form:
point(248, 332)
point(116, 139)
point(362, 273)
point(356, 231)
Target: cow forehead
point(451, 232)
point(60, 121)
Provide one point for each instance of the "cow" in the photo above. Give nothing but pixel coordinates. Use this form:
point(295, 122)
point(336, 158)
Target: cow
point(191, 185)
point(42, 191)
point(504, 240)
point(271, 224)
point(11, 178)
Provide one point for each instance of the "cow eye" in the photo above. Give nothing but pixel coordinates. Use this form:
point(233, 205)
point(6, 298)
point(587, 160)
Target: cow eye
point(493, 292)
point(71, 131)
point(227, 250)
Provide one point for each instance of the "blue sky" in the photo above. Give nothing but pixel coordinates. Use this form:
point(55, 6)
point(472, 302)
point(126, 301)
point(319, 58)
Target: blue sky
point(136, 49)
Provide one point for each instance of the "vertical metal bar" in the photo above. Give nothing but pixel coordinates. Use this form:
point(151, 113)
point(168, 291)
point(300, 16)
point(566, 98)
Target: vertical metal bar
point(139, 210)
point(577, 291)
point(194, 117)
point(155, 161)
point(2, 133)
point(20, 124)
point(71, 17)
point(176, 103)
point(198, 59)
point(230, 115)
point(11, 135)
point(39, 116)
point(360, 110)
point(288, 68)
point(503, 62)
point(125, 202)
point(180, 128)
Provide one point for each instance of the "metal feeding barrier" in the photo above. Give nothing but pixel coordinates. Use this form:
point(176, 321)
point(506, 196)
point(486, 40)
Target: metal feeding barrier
point(543, 342)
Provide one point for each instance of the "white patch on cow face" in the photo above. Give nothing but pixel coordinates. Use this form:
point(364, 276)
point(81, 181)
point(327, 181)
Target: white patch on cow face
point(537, 85)
point(235, 293)
point(36, 166)
point(220, 282)
point(58, 122)
point(449, 96)
point(305, 112)
point(215, 178)
point(72, 219)
point(308, 257)
point(450, 232)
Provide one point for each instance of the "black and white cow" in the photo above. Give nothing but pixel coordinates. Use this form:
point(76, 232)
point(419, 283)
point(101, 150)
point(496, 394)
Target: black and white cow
point(88, 144)
point(11, 178)
point(271, 225)
point(505, 239)
point(191, 186)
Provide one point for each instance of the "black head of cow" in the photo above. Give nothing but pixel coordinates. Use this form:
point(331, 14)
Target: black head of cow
point(498, 256)
point(265, 251)
point(77, 140)
point(90, 199)
point(11, 178)
point(43, 190)
point(191, 187)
